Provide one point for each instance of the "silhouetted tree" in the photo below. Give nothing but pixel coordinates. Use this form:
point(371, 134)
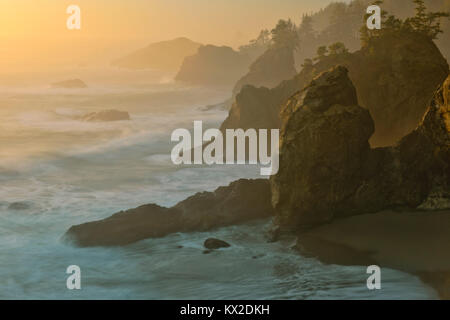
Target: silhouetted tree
point(425, 22)
point(306, 30)
point(285, 35)
point(337, 48)
point(257, 46)
point(321, 53)
point(308, 63)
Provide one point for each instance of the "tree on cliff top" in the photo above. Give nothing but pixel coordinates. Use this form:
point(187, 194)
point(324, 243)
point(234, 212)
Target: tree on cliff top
point(337, 48)
point(257, 46)
point(306, 30)
point(424, 22)
point(284, 35)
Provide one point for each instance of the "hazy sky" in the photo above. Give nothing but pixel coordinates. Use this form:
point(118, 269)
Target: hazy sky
point(33, 33)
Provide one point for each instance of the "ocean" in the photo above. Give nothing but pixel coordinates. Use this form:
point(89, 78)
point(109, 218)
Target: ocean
point(57, 171)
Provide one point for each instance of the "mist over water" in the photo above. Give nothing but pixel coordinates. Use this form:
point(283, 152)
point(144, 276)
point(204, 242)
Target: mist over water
point(57, 171)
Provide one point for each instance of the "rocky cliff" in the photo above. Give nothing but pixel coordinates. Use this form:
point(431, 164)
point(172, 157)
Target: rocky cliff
point(394, 78)
point(328, 170)
point(269, 70)
point(164, 55)
point(213, 65)
point(240, 202)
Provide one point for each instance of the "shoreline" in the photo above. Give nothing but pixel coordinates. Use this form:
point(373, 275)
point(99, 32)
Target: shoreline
point(416, 242)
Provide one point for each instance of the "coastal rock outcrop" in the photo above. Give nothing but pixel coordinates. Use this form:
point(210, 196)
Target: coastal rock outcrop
point(395, 77)
point(164, 55)
point(269, 70)
point(213, 65)
point(240, 202)
point(328, 170)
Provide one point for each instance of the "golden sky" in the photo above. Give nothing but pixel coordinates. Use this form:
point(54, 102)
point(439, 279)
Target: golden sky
point(33, 33)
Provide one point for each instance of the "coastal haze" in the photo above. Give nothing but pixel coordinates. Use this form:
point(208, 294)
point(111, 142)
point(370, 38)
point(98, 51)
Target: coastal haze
point(35, 37)
point(86, 122)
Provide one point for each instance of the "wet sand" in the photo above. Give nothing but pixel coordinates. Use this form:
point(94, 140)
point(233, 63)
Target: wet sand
point(416, 242)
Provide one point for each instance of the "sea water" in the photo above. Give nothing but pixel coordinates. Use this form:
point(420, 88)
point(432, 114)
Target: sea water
point(57, 171)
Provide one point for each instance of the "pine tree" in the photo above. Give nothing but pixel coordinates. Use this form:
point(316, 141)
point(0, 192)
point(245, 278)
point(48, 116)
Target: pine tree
point(306, 30)
point(285, 35)
point(337, 48)
point(427, 23)
point(321, 53)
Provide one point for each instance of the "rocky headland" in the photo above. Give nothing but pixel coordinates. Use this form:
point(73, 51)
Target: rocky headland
point(269, 70)
point(164, 55)
point(351, 204)
point(395, 77)
point(213, 65)
point(240, 202)
point(347, 200)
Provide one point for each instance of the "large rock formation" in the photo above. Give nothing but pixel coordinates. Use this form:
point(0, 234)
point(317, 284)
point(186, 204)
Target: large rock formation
point(269, 70)
point(328, 170)
point(213, 65)
point(395, 77)
point(240, 202)
point(164, 55)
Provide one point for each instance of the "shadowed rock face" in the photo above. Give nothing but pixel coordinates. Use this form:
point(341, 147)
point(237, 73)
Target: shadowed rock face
point(164, 55)
point(395, 78)
point(271, 68)
point(213, 65)
point(328, 170)
point(240, 202)
point(324, 143)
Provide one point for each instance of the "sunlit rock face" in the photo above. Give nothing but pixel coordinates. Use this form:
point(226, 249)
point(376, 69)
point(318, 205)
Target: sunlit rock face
point(395, 78)
point(327, 169)
point(324, 144)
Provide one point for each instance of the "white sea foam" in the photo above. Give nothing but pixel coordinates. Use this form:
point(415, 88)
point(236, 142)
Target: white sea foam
point(66, 172)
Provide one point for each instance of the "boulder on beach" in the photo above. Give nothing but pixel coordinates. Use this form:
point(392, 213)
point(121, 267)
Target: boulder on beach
point(213, 243)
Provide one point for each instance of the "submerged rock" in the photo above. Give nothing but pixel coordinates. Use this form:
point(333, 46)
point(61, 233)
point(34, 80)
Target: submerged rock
point(328, 170)
point(106, 115)
point(213, 243)
point(19, 206)
point(70, 84)
point(240, 202)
